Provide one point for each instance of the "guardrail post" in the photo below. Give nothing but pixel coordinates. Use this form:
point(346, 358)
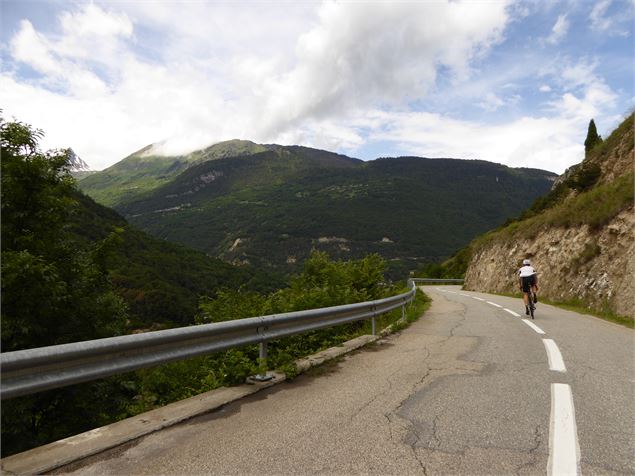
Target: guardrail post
point(262, 362)
point(403, 312)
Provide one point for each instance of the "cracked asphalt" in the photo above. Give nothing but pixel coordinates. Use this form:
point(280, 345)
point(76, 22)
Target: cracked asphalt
point(464, 390)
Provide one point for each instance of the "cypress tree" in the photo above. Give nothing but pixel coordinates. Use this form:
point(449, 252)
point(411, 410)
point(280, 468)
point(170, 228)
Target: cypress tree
point(592, 138)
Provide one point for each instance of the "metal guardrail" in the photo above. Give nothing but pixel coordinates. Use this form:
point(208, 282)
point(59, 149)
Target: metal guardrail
point(437, 281)
point(33, 370)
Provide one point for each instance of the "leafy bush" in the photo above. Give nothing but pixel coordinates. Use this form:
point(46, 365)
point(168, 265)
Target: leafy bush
point(553, 198)
point(323, 283)
point(453, 267)
point(585, 177)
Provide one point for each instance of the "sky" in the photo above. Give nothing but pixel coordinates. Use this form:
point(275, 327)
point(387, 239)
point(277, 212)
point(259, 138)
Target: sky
point(512, 82)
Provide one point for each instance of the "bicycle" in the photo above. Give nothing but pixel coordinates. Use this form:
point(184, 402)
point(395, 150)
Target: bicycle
point(531, 297)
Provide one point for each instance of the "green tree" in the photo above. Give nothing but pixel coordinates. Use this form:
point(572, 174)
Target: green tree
point(53, 290)
point(592, 137)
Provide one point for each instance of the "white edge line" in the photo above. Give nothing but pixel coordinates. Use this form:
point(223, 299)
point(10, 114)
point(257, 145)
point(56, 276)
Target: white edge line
point(564, 449)
point(477, 298)
point(533, 326)
point(493, 304)
point(512, 313)
point(554, 356)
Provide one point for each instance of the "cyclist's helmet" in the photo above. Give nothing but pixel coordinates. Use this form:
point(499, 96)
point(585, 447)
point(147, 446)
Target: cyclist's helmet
point(526, 262)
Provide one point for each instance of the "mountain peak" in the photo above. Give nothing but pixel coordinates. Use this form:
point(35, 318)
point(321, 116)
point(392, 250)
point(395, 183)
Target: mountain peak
point(76, 162)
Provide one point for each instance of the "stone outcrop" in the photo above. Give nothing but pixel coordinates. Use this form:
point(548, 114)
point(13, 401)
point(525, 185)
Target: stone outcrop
point(594, 267)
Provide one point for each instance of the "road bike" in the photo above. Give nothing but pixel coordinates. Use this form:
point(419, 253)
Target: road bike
point(531, 298)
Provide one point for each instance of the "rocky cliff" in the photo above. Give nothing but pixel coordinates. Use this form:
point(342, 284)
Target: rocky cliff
point(580, 237)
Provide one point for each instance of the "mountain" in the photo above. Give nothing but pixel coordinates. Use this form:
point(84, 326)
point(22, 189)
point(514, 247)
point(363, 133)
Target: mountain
point(144, 170)
point(579, 236)
point(78, 168)
point(76, 163)
point(271, 207)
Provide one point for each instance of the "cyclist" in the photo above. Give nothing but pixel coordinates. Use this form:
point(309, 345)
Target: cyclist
point(528, 282)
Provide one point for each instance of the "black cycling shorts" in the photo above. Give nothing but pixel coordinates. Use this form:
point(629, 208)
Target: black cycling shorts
point(528, 282)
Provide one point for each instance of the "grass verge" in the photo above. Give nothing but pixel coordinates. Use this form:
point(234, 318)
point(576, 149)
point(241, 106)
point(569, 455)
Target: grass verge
point(414, 310)
point(577, 305)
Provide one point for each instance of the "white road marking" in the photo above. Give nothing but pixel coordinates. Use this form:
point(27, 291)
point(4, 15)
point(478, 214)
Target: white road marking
point(451, 292)
point(466, 295)
point(493, 304)
point(564, 449)
point(478, 298)
point(555, 357)
point(533, 326)
point(512, 313)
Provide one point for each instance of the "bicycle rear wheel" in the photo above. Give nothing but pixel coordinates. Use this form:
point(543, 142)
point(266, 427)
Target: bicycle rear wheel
point(531, 308)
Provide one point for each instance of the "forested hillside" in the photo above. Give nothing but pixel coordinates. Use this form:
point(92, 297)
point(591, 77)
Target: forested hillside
point(161, 282)
point(272, 208)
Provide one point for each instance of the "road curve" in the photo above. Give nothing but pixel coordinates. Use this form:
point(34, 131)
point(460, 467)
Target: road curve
point(471, 388)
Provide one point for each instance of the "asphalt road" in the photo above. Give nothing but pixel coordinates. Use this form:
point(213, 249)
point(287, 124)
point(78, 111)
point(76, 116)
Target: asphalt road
point(468, 389)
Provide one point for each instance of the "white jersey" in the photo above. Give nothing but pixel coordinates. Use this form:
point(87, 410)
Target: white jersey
point(526, 271)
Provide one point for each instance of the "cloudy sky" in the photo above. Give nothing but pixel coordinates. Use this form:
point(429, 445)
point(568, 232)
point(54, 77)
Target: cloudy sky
point(504, 81)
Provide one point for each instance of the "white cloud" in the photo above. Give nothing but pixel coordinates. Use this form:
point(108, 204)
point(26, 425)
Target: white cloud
point(341, 76)
point(218, 72)
point(577, 75)
point(612, 24)
point(93, 34)
point(350, 59)
point(551, 143)
point(587, 93)
point(90, 39)
point(491, 102)
point(597, 16)
point(30, 47)
point(559, 30)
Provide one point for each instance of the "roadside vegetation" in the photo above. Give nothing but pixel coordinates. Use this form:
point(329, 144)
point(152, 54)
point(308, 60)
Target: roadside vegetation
point(323, 283)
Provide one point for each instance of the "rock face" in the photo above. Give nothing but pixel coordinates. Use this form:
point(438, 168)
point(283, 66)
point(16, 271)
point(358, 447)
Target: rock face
point(590, 264)
point(595, 267)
